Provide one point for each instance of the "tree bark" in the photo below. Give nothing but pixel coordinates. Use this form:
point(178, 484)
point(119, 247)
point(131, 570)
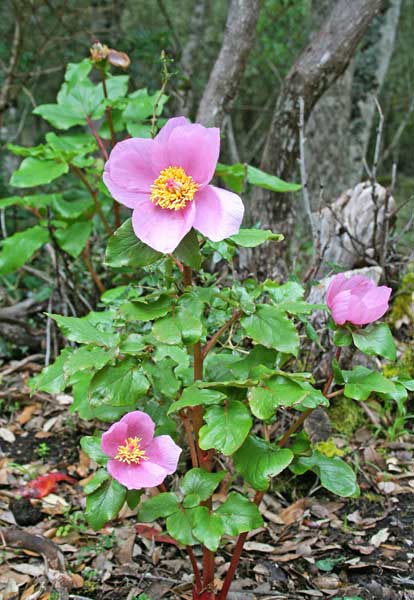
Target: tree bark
point(319, 65)
point(228, 69)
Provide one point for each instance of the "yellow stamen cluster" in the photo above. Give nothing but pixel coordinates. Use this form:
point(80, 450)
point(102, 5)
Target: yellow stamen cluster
point(173, 189)
point(131, 451)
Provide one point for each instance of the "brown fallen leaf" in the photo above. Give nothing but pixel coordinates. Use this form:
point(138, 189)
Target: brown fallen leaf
point(27, 413)
point(293, 513)
point(258, 547)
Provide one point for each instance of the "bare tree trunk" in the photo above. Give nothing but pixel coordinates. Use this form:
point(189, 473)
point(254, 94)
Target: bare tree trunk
point(339, 127)
point(319, 65)
point(229, 66)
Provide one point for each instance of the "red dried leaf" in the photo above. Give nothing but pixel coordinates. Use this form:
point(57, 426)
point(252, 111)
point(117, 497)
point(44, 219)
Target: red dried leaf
point(44, 485)
point(149, 532)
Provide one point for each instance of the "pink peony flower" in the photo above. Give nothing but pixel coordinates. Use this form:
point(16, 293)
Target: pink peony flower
point(356, 299)
point(165, 182)
point(138, 459)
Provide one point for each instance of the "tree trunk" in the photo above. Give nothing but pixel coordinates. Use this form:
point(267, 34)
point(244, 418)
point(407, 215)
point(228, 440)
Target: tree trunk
point(339, 126)
point(317, 68)
point(231, 61)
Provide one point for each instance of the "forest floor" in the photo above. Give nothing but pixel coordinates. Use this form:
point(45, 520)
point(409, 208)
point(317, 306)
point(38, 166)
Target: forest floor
point(316, 545)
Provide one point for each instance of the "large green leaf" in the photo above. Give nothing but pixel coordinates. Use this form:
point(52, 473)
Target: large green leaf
point(52, 378)
point(179, 527)
point(118, 385)
point(207, 527)
point(194, 396)
point(36, 171)
point(166, 330)
point(189, 317)
point(20, 247)
point(270, 182)
point(162, 505)
point(250, 238)
point(376, 339)
point(335, 475)
point(239, 514)
point(104, 503)
point(200, 483)
point(257, 461)
point(83, 331)
point(226, 427)
point(272, 328)
point(87, 358)
point(96, 481)
point(282, 391)
point(126, 250)
point(91, 445)
point(360, 382)
point(143, 310)
point(291, 291)
point(73, 239)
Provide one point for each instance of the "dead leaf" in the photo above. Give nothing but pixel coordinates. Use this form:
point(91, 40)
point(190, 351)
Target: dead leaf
point(327, 582)
point(293, 513)
point(7, 435)
point(380, 537)
point(27, 413)
point(258, 547)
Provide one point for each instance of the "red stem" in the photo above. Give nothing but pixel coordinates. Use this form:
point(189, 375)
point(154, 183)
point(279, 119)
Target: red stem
point(236, 556)
point(214, 339)
point(197, 577)
point(97, 138)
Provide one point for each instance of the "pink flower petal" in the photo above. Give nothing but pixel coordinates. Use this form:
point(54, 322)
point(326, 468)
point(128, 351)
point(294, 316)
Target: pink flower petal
point(130, 165)
point(139, 424)
point(124, 196)
point(196, 149)
point(340, 306)
point(136, 476)
point(219, 213)
point(162, 228)
point(335, 287)
point(164, 452)
point(165, 132)
point(113, 438)
point(359, 285)
point(371, 307)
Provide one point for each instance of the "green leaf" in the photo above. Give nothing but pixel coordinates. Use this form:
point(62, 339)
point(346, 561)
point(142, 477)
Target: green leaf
point(162, 505)
point(104, 503)
point(335, 475)
point(360, 382)
point(226, 427)
point(376, 339)
point(60, 116)
point(119, 385)
point(20, 247)
point(208, 527)
point(83, 331)
point(270, 182)
point(232, 175)
point(257, 461)
point(96, 481)
point(342, 337)
point(281, 391)
point(193, 396)
point(73, 239)
point(126, 250)
point(34, 200)
point(164, 383)
point(142, 310)
point(91, 445)
point(133, 497)
point(291, 291)
point(35, 171)
point(201, 483)
point(52, 378)
point(179, 528)
point(189, 313)
point(250, 238)
point(77, 206)
point(272, 328)
point(166, 330)
point(188, 250)
point(239, 514)
point(86, 358)
point(258, 355)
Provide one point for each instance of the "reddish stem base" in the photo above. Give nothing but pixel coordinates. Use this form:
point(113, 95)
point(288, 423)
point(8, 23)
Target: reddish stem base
point(204, 595)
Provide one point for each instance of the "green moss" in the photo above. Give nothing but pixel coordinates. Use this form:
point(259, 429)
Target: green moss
point(403, 306)
point(329, 448)
point(346, 415)
point(404, 368)
point(374, 498)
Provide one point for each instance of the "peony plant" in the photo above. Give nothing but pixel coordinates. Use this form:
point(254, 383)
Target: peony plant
point(183, 374)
